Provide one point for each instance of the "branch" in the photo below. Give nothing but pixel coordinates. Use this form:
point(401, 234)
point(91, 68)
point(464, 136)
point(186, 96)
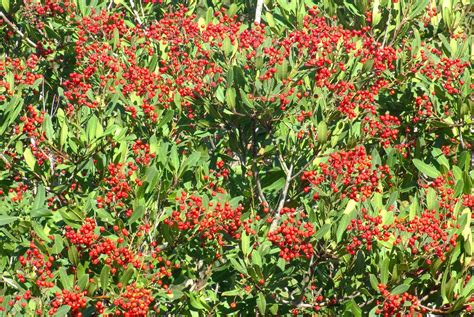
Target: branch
point(135, 12)
point(437, 311)
point(17, 30)
point(258, 11)
point(284, 193)
point(261, 196)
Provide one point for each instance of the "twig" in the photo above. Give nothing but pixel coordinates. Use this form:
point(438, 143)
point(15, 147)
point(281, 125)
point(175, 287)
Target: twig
point(260, 194)
point(388, 24)
point(437, 311)
point(135, 12)
point(17, 30)
point(258, 11)
point(281, 203)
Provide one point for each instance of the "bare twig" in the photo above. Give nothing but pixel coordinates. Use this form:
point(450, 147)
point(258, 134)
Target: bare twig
point(283, 196)
point(437, 311)
point(260, 194)
point(17, 30)
point(386, 30)
point(258, 11)
point(135, 12)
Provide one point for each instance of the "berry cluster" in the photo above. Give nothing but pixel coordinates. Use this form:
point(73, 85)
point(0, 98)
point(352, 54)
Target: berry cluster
point(349, 172)
point(293, 235)
point(397, 305)
point(74, 299)
point(211, 221)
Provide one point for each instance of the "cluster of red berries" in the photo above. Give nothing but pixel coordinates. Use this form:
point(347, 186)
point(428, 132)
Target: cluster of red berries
point(293, 235)
point(423, 108)
point(40, 265)
point(428, 235)
point(367, 230)
point(446, 71)
point(211, 221)
point(135, 301)
point(141, 150)
point(85, 236)
point(385, 127)
point(118, 186)
point(48, 7)
point(349, 172)
point(74, 299)
point(443, 186)
point(397, 305)
point(25, 74)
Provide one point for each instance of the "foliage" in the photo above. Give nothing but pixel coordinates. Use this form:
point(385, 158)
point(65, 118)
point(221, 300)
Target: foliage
point(175, 158)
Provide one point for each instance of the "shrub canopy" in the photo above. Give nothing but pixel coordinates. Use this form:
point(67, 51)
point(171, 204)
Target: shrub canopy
point(178, 158)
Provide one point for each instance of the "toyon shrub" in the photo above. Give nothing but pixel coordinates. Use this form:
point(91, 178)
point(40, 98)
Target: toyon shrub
point(241, 158)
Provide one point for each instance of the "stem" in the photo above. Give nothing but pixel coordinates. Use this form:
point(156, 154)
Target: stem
point(284, 193)
point(258, 11)
point(17, 30)
point(388, 24)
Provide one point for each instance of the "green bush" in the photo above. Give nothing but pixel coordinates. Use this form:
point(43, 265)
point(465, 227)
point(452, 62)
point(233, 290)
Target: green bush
point(178, 158)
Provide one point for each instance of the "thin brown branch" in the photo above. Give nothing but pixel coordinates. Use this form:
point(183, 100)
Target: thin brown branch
point(17, 30)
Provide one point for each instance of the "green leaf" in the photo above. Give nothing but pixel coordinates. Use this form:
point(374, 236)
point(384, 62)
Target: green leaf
point(342, 227)
point(73, 255)
point(138, 213)
point(256, 259)
point(261, 303)
point(270, 19)
point(29, 159)
point(39, 208)
point(322, 231)
point(400, 289)
point(62, 311)
point(350, 207)
point(420, 5)
point(322, 132)
point(374, 282)
point(58, 244)
point(83, 281)
point(383, 266)
point(127, 275)
point(234, 292)
point(174, 158)
point(92, 128)
point(104, 277)
point(66, 280)
point(230, 97)
point(426, 169)
point(6, 5)
point(196, 302)
point(5, 220)
point(245, 242)
point(354, 308)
